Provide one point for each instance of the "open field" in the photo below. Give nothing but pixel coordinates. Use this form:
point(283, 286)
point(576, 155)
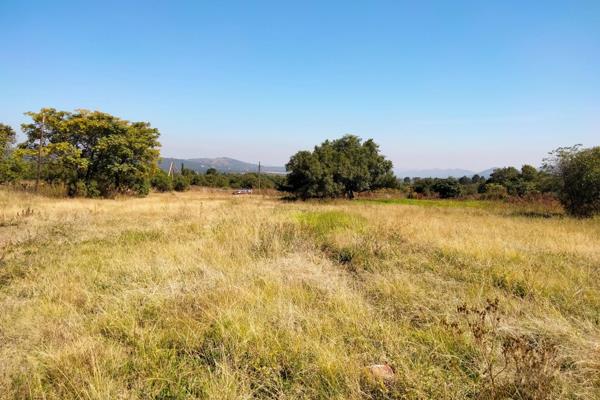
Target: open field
point(200, 295)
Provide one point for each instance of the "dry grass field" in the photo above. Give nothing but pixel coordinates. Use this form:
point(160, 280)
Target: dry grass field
point(203, 295)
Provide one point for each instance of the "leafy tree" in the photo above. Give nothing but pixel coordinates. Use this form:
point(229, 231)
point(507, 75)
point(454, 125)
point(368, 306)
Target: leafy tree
point(577, 176)
point(494, 191)
point(510, 178)
point(212, 171)
point(423, 186)
point(447, 188)
point(100, 151)
point(342, 167)
point(504, 176)
point(12, 165)
point(7, 139)
point(529, 173)
point(465, 180)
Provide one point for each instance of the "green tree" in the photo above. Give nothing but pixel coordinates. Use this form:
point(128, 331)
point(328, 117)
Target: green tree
point(510, 178)
point(493, 191)
point(337, 168)
point(529, 173)
point(465, 180)
point(102, 152)
point(12, 164)
point(447, 188)
point(7, 140)
point(577, 178)
point(504, 176)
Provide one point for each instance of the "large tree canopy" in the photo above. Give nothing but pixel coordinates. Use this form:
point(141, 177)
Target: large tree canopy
point(94, 153)
point(337, 168)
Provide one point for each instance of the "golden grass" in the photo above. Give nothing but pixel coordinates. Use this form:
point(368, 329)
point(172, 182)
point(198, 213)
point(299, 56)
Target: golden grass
point(202, 295)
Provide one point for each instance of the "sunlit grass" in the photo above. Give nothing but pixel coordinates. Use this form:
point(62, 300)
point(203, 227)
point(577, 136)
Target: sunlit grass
point(198, 295)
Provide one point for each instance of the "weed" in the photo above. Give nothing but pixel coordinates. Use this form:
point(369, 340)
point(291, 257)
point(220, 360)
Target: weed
point(517, 365)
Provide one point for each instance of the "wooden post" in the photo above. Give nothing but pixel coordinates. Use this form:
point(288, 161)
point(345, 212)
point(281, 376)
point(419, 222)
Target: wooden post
point(259, 177)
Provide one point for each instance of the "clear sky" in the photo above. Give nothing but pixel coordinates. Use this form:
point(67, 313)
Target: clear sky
point(462, 84)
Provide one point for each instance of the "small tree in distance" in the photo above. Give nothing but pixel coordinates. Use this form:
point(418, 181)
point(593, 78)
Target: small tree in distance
point(339, 168)
point(12, 167)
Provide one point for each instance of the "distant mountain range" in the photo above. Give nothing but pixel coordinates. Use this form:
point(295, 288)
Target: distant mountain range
point(442, 173)
point(226, 164)
point(221, 164)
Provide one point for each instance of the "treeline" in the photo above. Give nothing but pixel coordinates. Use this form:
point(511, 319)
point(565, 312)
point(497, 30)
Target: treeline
point(182, 180)
point(346, 166)
point(503, 182)
point(96, 154)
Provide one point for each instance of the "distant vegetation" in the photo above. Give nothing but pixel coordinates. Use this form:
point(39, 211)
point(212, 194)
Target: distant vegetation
point(572, 174)
point(95, 154)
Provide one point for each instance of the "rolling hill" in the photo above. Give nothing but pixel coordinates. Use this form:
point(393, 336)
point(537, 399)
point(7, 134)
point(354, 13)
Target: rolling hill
point(442, 173)
point(221, 164)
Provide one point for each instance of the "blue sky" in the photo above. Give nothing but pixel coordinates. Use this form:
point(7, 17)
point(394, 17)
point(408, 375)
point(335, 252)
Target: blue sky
point(463, 84)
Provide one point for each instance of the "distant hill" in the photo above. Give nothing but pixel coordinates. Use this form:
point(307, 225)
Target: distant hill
point(442, 173)
point(221, 164)
point(226, 164)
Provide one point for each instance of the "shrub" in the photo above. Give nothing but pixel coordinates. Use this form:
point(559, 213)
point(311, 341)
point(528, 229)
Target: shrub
point(494, 191)
point(161, 182)
point(181, 183)
point(577, 173)
point(78, 189)
point(447, 188)
point(510, 365)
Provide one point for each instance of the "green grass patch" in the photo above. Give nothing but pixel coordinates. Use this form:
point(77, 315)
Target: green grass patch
point(139, 236)
point(448, 203)
point(324, 222)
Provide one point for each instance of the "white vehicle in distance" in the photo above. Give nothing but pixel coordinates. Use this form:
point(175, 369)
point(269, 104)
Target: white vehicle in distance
point(242, 191)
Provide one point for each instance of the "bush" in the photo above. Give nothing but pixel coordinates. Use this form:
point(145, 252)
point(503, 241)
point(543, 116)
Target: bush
point(161, 182)
point(494, 191)
point(578, 179)
point(447, 188)
point(181, 183)
point(78, 189)
point(142, 187)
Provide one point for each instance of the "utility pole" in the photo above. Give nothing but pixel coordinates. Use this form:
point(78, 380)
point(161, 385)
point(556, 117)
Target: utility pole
point(259, 177)
point(39, 159)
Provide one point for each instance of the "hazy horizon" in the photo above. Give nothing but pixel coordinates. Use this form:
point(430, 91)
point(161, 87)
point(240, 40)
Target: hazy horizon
point(442, 85)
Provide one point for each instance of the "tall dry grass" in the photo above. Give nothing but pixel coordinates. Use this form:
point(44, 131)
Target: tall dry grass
point(201, 295)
